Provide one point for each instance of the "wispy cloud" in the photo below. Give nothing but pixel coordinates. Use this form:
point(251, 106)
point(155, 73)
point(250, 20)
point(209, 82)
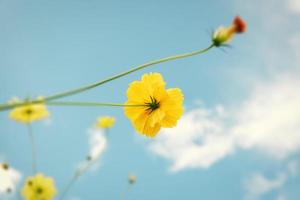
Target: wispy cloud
point(257, 184)
point(197, 141)
point(293, 168)
point(270, 120)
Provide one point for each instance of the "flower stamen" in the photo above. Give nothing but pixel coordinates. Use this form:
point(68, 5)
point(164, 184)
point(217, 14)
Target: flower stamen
point(153, 105)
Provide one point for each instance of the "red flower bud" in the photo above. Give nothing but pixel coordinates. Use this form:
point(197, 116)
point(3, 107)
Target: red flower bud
point(239, 24)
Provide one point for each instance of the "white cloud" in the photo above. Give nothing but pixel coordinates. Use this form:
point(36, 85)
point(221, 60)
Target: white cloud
point(270, 119)
point(269, 122)
point(9, 179)
point(98, 143)
point(294, 6)
point(197, 141)
point(257, 185)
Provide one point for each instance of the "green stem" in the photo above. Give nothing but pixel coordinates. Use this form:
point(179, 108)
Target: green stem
point(79, 103)
point(88, 87)
point(91, 86)
point(33, 151)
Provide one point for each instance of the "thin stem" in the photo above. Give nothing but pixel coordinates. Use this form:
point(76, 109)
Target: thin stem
point(88, 87)
point(125, 192)
point(91, 86)
point(76, 175)
point(68, 187)
point(79, 103)
point(33, 150)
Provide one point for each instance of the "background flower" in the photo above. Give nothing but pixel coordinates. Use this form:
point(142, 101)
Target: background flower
point(29, 112)
point(39, 187)
point(105, 122)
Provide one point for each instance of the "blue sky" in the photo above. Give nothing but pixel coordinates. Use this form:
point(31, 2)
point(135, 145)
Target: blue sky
point(239, 137)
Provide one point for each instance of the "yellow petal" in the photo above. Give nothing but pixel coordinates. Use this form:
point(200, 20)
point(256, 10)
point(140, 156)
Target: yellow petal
point(29, 113)
point(105, 122)
point(133, 112)
point(153, 80)
point(143, 125)
point(137, 92)
point(172, 107)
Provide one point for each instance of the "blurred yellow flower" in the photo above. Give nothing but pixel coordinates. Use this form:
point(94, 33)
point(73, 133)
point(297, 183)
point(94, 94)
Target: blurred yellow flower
point(131, 179)
point(39, 187)
point(105, 122)
point(29, 112)
point(224, 34)
point(157, 108)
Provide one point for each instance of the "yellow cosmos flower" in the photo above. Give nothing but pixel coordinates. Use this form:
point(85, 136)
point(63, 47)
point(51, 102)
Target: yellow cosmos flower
point(224, 34)
point(39, 187)
point(159, 107)
point(29, 112)
point(105, 122)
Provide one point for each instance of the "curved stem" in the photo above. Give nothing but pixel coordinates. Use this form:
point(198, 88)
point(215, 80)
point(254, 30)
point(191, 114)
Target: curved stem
point(33, 151)
point(91, 86)
point(88, 87)
point(80, 103)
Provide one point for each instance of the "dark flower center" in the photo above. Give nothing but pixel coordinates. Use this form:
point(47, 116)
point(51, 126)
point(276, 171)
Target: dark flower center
point(28, 111)
point(39, 190)
point(29, 183)
point(153, 105)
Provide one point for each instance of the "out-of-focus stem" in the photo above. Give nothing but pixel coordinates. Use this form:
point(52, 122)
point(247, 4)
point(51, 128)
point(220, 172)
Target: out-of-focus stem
point(125, 192)
point(33, 148)
point(75, 177)
point(70, 184)
point(77, 174)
